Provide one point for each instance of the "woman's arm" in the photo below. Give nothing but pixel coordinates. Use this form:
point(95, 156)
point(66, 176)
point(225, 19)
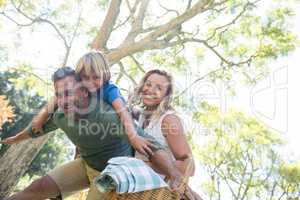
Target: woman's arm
point(42, 116)
point(173, 131)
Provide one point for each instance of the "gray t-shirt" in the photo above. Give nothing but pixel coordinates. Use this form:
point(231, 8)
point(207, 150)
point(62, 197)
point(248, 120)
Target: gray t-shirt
point(99, 135)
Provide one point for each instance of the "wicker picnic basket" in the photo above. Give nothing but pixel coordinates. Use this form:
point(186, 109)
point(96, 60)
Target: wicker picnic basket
point(159, 194)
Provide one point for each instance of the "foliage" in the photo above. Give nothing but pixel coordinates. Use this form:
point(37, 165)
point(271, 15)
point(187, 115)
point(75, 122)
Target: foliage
point(2, 2)
point(6, 111)
point(241, 157)
point(26, 103)
point(290, 179)
point(23, 100)
point(29, 81)
point(53, 154)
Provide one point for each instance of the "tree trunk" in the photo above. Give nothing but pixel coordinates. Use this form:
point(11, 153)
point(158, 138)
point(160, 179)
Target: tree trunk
point(15, 162)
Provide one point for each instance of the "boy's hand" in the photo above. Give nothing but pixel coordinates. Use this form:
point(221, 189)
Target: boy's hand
point(141, 145)
point(10, 140)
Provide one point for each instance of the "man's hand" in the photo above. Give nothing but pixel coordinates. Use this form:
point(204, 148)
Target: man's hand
point(23, 135)
point(141, 145)
point(37, 124)
point(10, 140)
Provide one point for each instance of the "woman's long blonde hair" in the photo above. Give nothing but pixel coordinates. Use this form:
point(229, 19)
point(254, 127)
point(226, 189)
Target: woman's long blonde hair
point(165, 104)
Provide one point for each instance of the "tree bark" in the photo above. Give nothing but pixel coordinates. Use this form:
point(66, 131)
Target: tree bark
point(15, 162)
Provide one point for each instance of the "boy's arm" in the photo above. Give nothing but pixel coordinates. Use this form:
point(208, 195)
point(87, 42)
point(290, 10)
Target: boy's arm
point(135, 112)
point(138, 143)
point(43, 115)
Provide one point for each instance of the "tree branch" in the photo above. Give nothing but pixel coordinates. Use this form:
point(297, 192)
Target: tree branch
point(228, 185)
point(189, 4)
point(137, 22)
point(199, 7)
point(37, 20)
point(273, 190)
point(120, 75)
point(151, 40)
point(122, 70)
point(14, 21)
point(233, 21)
point(130, 16)
point(127, 49)
point(218, 190)
point(68, 48)
point(104, 32)
point(121, 23)
point(205, 43)
point(168, 10)
point(30, 73)
point(138, 64)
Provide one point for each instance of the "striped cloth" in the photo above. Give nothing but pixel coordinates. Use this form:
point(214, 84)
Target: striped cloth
point(128, 175)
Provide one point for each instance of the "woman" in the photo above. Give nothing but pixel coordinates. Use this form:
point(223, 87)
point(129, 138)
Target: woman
point(159, 119)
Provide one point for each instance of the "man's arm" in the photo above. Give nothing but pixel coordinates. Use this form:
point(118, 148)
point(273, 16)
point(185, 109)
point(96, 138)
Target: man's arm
point(41, 118)
point(29, 133)
point(23, 135)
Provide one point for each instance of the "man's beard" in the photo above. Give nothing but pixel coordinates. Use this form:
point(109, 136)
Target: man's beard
point(81, 106)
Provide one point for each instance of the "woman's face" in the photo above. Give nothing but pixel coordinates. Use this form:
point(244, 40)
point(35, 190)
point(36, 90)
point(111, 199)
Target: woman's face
point(92, 81)
point(154, 89)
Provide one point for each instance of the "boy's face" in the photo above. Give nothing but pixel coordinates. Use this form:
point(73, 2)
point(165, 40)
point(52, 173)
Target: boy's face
point(91, 81)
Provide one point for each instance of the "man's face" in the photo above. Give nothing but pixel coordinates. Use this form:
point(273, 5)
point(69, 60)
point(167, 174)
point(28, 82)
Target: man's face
point(68, 94)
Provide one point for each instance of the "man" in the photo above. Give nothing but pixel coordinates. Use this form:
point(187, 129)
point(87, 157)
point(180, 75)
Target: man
point(96, 130)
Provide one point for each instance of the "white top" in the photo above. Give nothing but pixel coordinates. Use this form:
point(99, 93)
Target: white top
point(154, 129)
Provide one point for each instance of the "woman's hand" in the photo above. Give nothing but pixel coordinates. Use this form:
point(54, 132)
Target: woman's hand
point(141, 145)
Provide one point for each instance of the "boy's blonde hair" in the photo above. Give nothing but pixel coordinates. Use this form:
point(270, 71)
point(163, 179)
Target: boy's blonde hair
point(94, 61)
point(165, 104)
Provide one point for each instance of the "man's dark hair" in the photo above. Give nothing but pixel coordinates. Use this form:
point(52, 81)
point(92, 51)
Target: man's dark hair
point(64, 72)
